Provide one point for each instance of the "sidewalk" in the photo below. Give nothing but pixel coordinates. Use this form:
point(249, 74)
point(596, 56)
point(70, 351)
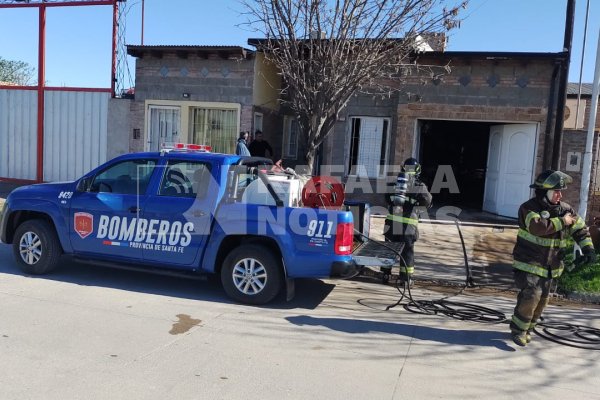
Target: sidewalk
point(439, 253)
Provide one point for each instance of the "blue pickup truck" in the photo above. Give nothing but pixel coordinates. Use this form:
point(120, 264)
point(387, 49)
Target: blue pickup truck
point(185, 212)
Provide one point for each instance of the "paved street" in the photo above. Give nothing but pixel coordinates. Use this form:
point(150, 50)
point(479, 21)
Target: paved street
point(87, 332)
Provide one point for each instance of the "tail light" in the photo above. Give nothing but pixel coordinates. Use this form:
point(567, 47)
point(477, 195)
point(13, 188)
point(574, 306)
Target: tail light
point(344, 236)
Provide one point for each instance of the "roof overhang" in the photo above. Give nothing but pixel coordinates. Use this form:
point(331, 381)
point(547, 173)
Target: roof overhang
point(223, 52)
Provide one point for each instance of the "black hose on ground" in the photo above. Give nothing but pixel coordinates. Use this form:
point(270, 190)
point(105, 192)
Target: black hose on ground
point(572, 335)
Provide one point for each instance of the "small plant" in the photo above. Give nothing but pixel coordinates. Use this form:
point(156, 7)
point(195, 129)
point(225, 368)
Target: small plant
point(581, 279)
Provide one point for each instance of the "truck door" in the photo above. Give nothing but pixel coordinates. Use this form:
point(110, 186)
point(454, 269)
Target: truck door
point(104, 213)
point(179, 215)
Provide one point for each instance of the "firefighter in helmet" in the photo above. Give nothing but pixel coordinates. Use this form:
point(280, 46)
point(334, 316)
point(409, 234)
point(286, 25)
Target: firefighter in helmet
point(409, 197)
point(546, 226)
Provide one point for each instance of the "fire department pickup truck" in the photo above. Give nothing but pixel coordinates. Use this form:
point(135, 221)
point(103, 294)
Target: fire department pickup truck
point(183, 211)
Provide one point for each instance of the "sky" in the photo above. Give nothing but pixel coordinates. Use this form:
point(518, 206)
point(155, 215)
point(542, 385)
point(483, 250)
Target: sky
point(78, 39)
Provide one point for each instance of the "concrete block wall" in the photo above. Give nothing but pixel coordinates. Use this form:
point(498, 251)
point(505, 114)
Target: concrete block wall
point(211, 79)
point(118, 128)
point(215, 80)
point(511, 91)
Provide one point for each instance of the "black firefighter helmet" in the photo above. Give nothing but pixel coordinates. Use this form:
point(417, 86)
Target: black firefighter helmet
point(551, 180)
point(411, 166)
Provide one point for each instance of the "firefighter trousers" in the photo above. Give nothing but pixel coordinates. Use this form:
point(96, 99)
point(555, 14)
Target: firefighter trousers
point(531, 301)
point(408, 253)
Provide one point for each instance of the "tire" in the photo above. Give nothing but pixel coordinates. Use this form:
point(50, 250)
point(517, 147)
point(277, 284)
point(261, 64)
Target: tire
point(264, 279)
point(36, 247)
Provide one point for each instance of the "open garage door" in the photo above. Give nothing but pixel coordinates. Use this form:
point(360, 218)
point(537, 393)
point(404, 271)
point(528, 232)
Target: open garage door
point(509, 172)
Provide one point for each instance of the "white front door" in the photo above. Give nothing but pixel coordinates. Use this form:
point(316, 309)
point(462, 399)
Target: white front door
point(164, 125)
point(511, 159)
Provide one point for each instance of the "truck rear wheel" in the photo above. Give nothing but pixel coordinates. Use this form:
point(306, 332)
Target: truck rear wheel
point(251, 274)
point(36, 247)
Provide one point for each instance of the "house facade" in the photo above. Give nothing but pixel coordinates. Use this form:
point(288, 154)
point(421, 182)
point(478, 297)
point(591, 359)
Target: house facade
point(199, 94)
point(482, 131)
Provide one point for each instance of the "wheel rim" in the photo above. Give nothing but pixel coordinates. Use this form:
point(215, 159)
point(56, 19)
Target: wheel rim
point(249, 276)
point(30, 248)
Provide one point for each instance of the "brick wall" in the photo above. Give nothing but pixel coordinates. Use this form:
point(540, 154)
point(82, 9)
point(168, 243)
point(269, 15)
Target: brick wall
point(211, 79)
point(499, 90)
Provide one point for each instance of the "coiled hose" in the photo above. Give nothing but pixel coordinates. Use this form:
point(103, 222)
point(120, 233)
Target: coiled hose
point(572, 335)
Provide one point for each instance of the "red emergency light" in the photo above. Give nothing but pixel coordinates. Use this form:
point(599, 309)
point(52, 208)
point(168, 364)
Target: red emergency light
point(188, 146)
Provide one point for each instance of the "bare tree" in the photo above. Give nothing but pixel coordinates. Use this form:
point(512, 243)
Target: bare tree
point(16, 72)
point(328, 50)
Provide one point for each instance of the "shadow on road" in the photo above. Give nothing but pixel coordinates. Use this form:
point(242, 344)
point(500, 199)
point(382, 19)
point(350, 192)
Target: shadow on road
point(309, 292)
point(462, 337)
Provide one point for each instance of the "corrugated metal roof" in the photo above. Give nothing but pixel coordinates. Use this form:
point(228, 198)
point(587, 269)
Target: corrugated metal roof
point(573, 89)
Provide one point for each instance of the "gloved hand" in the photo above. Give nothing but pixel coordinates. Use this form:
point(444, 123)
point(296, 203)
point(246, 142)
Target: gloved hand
point(589, 255)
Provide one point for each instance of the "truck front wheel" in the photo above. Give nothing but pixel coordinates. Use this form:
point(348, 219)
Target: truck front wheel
point(251, 274)
point(36, 247)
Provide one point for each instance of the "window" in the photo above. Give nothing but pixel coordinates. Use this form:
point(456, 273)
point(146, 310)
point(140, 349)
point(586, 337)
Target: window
point(164, 126)
point(217, 128)
point(291, 131)
point(258, 123)
point(368, 147)
point(127, 177)
point(185, 179)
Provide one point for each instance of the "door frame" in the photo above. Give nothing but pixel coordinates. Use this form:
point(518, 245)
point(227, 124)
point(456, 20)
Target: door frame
point(533, 164)
point(417, 138)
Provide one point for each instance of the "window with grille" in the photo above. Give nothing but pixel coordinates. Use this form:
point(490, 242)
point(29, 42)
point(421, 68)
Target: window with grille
point(369, 139)
point(291, 132)
point(214, 127)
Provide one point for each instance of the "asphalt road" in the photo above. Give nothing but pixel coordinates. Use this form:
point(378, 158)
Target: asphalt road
point(93, 333)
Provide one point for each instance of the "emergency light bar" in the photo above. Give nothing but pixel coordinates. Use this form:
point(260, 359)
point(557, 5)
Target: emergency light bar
point(167, 147)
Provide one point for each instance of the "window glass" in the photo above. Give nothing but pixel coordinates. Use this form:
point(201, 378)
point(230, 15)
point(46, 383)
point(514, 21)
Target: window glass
point(217, 128)
point(290, 138)
point(368, 146)
point(127, 177)
point(258, 123)
point(185, 179)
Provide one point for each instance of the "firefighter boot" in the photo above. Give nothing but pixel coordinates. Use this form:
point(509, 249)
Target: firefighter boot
point(520, 338)
point(528, 336)
point(404, 277)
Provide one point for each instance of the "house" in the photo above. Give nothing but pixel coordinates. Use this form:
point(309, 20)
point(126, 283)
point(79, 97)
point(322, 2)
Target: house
point(482, 132)
point(577, 112)
point(200, 94)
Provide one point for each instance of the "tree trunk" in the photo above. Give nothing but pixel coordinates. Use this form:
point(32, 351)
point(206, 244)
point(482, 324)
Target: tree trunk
point(310, 161)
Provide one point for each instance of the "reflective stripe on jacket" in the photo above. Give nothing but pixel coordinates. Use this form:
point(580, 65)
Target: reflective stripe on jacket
point(543, 237)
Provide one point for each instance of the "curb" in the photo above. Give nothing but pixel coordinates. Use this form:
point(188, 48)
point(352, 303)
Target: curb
point(593, 298)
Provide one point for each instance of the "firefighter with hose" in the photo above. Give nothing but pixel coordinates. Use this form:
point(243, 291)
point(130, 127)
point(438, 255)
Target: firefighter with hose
point(546, 226)
point(404, 204)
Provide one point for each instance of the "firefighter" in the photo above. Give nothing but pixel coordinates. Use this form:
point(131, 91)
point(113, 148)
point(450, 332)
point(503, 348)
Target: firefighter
point(546, 226)
point(409, 195)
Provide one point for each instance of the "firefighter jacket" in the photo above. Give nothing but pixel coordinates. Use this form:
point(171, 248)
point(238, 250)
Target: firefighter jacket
point(543, 237)
point(403, 219)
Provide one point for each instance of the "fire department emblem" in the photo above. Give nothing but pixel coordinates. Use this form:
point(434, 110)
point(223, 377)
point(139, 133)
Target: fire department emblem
point(83, 224)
